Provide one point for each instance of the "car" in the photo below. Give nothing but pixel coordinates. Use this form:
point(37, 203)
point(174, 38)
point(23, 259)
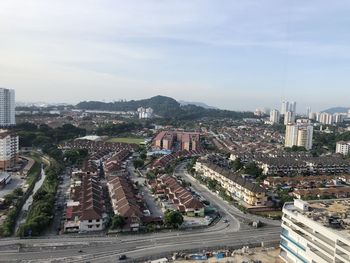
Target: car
point(122, 257)
point(226, 221)
point(80, 251)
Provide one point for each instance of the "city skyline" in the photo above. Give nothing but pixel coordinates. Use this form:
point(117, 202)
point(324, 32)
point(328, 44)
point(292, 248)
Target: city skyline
point(237, 56)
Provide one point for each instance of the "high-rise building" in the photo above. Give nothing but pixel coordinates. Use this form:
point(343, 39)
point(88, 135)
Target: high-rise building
point(289, 117)
point(145, 113)
point(308, 112)
point(338, 117)
point(7, 107)
point(315, 231)
point(291, 137)
point(293, 107)
point(312, 115)
point(326, 118)
point(274, 116)
point(285, 107)
point(305, 134)
point(343, 147)
point(300, 134)
point(8, 149)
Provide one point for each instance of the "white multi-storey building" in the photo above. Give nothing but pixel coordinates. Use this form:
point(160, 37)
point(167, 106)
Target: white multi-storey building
point(293, 107)
point(326, 118)
point(338, 117)
point(7, 107)
point(289, 117)
point(145, 113)
point(9, 147)
point(285, 107)
point(343, 147)
point(274, 116)
point(299, 134)
point(316, 231)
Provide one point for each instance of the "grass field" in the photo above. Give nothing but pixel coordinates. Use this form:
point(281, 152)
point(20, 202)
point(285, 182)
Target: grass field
point(127, 140)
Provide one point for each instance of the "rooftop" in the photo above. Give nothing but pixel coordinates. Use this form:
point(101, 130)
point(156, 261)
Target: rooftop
point(332, 213)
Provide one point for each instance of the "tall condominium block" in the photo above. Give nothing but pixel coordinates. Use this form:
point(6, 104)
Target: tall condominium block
point(289, 117)
point(293, 107)
point(300, 134)
point(316, 231)
point(274, 116)
point(343, 147)
point(285, 107)
point(9, 147)
point(326, 118)
point(7, 107)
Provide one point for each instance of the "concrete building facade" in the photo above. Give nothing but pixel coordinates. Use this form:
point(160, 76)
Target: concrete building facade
point(9, 147)
point(315, 231)
point(7, 107)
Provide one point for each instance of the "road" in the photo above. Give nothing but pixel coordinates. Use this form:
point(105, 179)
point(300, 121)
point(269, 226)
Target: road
point(104, 249)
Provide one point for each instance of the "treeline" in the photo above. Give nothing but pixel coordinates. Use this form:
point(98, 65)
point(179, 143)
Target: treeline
point(32, 135)
point(41, 211)
point(14, 202)
point(323, 142)
point(118, 129)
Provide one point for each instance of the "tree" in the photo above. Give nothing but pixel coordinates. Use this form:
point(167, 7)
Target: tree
point(117, 222)
point(237, 164)
point(173, 219)
point(212, 184)
point(253, 169)
point(138, 163)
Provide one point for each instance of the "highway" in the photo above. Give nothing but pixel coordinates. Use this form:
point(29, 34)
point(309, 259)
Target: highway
point(106, 249)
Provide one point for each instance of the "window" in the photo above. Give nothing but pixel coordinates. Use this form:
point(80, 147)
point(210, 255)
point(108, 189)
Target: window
point(97, 220)
point(89, 226)
point(90, 221)
point(98, 226)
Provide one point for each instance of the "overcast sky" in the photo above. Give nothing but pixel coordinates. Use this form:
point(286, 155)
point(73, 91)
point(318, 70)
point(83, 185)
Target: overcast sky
point(231, 54)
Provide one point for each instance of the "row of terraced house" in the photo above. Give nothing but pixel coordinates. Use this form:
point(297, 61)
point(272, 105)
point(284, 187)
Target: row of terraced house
point(241, 189)
point(86, 210)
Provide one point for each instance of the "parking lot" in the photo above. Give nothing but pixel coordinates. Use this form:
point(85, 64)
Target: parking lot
point(15, 182)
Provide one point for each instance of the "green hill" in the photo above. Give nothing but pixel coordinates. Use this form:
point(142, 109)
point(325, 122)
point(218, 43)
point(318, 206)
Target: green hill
point(165, 107)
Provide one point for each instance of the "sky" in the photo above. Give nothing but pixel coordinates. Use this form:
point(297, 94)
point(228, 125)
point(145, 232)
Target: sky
point(232, 54)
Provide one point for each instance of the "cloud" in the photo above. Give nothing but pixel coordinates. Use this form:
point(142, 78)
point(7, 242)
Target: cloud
point(199, 48)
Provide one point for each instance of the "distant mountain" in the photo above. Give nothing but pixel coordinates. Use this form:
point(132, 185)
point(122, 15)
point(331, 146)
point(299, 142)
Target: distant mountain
point(199, 104)
point(337, 110)
point(166, 107)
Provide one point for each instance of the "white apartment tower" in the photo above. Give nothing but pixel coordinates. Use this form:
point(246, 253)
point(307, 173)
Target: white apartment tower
point(145, 113)
point(316, 231)
point(293, 107)
point(300, 134)
point(343, 147)
point(289, 117)
point(9, 147)
point(285, 107)
point(326, 118)
point(7, 107)
point(274, 116)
